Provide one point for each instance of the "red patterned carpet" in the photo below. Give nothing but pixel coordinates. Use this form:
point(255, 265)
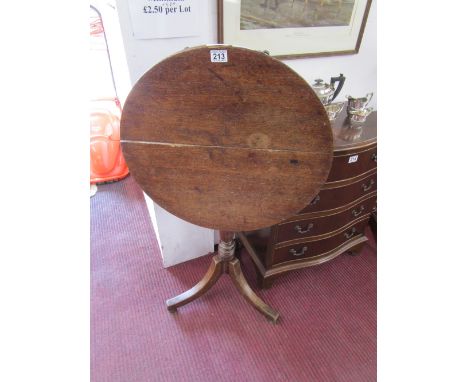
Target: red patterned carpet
point(326, 331)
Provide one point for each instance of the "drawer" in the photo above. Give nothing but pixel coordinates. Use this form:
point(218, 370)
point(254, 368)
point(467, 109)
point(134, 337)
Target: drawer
point(310, 248)
point(335, 197)
point(352, 164)
point(324, 224)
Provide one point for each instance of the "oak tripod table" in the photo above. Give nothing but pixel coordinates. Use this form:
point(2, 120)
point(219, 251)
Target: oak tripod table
point(230, 139)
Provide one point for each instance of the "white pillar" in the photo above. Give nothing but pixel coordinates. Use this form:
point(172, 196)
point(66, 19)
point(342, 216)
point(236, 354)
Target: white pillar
point(179, 240)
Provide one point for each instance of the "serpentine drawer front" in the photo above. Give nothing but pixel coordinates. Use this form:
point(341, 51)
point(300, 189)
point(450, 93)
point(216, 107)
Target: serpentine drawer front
point(331, 198)
point(311, 248)
point(331, 224)
point(352, 164)
point(299, 229)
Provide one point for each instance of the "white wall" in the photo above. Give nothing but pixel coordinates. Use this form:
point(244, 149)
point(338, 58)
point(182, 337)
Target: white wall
point(117, 53)
point(143, 54)
point(360, 71)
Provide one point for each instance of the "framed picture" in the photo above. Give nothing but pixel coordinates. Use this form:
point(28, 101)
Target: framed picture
point(293, 28)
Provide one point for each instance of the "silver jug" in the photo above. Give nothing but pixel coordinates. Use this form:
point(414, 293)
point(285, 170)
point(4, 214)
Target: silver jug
point(327, 92)
point(355, 104)
point(334, 109)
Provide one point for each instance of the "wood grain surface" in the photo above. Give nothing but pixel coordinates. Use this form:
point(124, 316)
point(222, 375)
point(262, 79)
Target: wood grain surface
point(237, 145)
point(349, 136)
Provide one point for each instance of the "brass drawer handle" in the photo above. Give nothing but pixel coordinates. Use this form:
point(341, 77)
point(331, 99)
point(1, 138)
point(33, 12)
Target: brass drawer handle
point(299, 229)
point(367, 187)
point(374, 157)
point(350, 234)
point(356, 213)
point(315, 201)
point(294, 253)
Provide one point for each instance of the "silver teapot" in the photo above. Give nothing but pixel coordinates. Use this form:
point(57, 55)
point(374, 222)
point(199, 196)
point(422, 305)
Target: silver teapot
point(327, 92)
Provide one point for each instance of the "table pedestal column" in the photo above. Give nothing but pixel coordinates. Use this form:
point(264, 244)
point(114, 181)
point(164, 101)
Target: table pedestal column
point(223, 262)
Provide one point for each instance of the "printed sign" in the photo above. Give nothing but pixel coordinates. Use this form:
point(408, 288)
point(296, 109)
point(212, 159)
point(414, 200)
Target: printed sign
point(353, 159)
point(164, 18)
point(219, 56)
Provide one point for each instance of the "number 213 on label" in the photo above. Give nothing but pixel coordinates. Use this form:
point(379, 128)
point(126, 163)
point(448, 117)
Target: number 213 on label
point(219, 56)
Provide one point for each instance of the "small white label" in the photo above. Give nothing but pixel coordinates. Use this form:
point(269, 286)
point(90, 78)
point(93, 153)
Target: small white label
point(353, 159)
point(219, 56)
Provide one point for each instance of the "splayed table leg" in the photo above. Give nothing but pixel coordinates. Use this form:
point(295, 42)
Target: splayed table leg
point(224, 261)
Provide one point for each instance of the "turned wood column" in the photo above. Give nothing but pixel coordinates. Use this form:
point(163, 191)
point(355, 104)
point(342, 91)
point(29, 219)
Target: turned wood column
point(227, 245)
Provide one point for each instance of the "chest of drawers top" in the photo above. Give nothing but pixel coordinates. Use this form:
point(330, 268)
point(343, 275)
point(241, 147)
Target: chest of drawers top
point(355, 151)
point(348, 137)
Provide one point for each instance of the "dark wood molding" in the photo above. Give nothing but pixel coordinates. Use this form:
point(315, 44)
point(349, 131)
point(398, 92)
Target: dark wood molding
point(315, 55)
point(363, 25)
point(220, 22)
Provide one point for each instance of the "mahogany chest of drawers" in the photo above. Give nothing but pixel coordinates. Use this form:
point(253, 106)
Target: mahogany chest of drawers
point(334, 222)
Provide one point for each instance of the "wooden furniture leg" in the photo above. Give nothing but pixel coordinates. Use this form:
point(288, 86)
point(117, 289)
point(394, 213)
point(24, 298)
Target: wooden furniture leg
point(212, 275)
point(373, 224)
point(239, 280)
point(356, 250)
point(224, 261)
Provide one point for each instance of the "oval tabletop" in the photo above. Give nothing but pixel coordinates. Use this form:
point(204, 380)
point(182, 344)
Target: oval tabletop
point(236, 145)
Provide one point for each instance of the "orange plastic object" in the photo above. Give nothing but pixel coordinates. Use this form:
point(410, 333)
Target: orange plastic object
point(107, 161)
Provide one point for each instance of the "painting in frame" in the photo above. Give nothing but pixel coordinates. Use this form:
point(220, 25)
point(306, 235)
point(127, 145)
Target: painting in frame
point(293, 28)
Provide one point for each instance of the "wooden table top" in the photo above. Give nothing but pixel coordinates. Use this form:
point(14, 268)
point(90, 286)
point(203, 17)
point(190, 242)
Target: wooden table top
point(235, 146)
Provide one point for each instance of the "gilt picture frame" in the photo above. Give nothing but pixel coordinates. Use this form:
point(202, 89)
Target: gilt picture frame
point(290, 29)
